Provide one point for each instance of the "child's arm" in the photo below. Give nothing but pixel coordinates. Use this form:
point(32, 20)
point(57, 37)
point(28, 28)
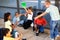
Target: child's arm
point(41, 15)
point(26, 10)
point(13, 26)
point(20, 14)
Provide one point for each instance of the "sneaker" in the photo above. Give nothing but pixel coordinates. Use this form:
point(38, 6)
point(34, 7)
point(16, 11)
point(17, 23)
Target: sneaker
point(37, 34)
point(52, 39)
point(57, 36)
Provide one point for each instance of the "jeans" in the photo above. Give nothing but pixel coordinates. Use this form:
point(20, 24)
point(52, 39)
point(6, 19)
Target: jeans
point(21, 22)
point(41, 28)
point(14, 33)
point(54, 29)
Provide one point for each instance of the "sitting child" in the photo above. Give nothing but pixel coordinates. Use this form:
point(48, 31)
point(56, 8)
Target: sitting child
point(9, 25)
point(14, 33)
point(39, 24)
point(29, 15)
point(16, 19)
point(7, 35)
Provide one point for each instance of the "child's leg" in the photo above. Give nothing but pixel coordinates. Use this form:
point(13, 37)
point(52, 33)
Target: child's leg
point(36, 30)
point(41, 29)
point(35, 26)
point(21, 22)
point(52, 29)
point(30, 22)
point(56, 31)
point(13, 33)
point(27, 24)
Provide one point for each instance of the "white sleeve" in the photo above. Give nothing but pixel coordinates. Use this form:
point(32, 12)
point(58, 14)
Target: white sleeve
point(16, 34)
point(47, 10)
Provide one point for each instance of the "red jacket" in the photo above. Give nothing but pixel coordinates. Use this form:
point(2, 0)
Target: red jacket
point(40, 21)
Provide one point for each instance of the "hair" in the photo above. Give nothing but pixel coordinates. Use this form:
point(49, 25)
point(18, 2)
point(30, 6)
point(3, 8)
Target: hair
point(39, 13)
point(6, 15)
point(15, 13)
point(48, 1)
point(30, 8)
point(5, 31)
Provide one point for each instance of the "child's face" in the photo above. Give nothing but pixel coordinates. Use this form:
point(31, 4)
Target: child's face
point(8, 34)
point(16, 14)
point(29, 10)
point(9, 17)
point(47, 4)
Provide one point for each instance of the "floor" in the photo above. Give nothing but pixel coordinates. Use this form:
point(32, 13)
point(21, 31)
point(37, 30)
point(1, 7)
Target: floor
point(28, 34)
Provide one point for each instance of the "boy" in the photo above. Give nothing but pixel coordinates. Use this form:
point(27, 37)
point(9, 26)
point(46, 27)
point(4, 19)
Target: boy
point(16, 19)
point(39, 24)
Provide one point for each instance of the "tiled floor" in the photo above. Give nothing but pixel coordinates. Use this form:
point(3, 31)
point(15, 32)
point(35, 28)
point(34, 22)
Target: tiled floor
point(28, 34)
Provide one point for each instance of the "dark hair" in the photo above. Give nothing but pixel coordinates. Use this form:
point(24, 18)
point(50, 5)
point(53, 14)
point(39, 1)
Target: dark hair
point(30, 8)
point(39, 13)
point(48, 1)
point(6, 15)
point(5, 31)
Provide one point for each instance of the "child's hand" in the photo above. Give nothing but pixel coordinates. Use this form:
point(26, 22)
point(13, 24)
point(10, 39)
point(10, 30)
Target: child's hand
point(20, 14)
point(25, 8)
point(20, 36)
point(35, 18)
point(13, 26)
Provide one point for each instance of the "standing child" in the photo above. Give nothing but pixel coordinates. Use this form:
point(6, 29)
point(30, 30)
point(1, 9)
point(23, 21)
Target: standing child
point(39, 24)
point(29, 21)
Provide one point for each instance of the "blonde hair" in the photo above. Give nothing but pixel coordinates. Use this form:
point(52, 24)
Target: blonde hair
point(48, 1)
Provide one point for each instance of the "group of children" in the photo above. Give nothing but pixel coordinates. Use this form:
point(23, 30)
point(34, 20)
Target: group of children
point(39, 22)
point(12, 34)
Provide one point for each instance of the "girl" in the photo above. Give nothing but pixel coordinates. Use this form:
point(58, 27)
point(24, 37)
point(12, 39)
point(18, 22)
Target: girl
point(7, 18)
point(29, 14)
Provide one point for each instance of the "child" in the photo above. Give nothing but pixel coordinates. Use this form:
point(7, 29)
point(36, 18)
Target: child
point(8, 24)
point(16, 19)
point(7, 18)
point(29, 14)
point(39, 24)
point(7, 35)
